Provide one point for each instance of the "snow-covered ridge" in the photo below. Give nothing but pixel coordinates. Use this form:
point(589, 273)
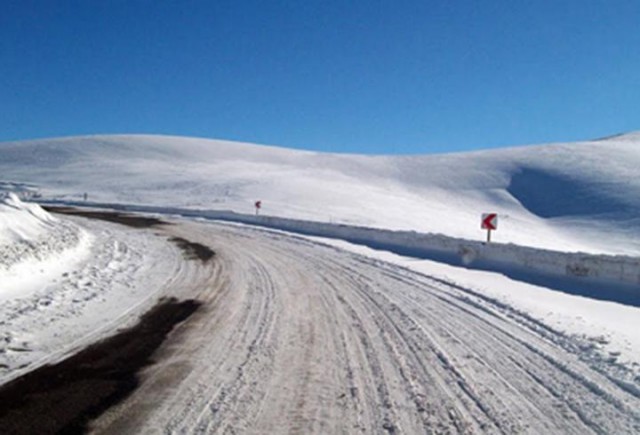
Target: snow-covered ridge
point(632, 136)
point(565, 197)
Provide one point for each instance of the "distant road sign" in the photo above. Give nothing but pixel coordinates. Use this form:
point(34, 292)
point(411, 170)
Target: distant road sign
point(258, 204)
point(490, 221)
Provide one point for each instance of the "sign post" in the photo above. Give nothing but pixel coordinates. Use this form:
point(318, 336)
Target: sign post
point(489, 222)
point(258, 204)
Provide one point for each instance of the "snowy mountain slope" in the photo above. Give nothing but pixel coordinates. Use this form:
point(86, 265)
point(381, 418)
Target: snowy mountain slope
point(574, 197)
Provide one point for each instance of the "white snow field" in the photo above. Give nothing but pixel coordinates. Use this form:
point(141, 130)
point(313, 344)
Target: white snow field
point(317, 335)
point(567, 197)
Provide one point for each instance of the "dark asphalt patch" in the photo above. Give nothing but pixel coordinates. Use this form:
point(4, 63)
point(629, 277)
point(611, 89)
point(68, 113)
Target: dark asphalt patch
point(65, 397)
point(193, 250)
point(131, 220)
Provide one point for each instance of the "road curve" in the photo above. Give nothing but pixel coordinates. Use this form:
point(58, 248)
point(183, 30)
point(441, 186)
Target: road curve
point(298, 337)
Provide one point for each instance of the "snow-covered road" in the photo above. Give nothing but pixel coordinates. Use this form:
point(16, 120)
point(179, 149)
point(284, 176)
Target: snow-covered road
point(298, 337)
point(81, 294)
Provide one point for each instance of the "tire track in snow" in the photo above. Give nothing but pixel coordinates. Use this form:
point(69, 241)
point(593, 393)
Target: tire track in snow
point(497, 336)
point(311, 339)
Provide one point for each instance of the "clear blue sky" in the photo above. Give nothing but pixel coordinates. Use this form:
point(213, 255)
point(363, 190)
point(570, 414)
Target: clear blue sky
point(350, 76)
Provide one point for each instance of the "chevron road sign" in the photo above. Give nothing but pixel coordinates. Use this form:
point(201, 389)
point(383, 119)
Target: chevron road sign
point(489, 222)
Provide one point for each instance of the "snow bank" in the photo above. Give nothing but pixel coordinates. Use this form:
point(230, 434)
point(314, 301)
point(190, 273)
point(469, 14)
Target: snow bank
point(606, 277)
point(473, 254)
point(29, 236)
point(620, 275)
point(20, 221)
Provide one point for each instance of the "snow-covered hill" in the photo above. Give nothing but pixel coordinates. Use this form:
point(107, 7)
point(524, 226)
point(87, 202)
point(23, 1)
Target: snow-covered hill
point(572, 197)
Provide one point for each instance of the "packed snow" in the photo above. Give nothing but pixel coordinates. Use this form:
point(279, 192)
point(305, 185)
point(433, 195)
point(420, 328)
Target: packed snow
point(611, 327)
point(303, 337)
point(78, 283)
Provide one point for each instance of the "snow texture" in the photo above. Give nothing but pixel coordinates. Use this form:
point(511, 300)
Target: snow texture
point(70, 296)
point(562, 309)
point(30, 238)
point(619, 274)
point(563, 197)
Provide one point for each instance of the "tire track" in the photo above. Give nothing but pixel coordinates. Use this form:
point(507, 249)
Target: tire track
point(311, 339)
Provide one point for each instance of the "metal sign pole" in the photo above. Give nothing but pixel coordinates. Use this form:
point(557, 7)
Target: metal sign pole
point(489, 222)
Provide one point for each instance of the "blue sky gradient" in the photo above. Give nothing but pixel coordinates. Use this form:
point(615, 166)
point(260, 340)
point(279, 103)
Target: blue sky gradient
point(367, 77)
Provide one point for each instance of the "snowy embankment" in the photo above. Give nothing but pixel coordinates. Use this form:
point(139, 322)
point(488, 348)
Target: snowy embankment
point(68, 282)
point(34, 244)
point(520, 262)
point(460, 252)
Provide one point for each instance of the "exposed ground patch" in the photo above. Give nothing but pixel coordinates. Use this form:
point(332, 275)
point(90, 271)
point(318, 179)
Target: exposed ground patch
point(131, 220)
point(193, 250)
point(64, 397)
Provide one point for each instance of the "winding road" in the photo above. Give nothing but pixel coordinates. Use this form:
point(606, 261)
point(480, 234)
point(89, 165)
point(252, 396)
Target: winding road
point(298, 337)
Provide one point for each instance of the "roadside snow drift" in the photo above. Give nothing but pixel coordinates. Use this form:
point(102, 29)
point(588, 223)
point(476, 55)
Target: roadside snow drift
point(569, 197)
point(33, 244)
point(21, 221)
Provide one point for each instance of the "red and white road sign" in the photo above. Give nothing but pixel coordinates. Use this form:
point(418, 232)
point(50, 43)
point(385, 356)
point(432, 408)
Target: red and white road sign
point(258, 204)
point(490, 221)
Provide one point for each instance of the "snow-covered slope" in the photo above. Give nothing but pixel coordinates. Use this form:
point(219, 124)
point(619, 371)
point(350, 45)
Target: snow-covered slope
point(34, 245)
point(573, 197)
point(21, 221)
